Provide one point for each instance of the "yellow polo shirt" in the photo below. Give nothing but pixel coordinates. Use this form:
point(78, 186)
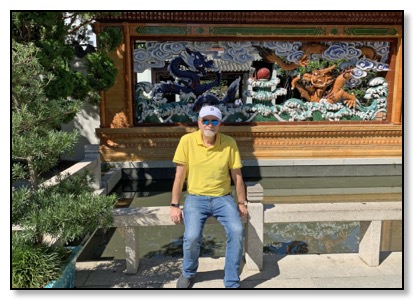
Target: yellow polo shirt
point(208, 168)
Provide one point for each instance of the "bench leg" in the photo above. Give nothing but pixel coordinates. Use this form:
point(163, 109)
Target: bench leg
point(254, 237)
point(131, 249)
point(370, 242)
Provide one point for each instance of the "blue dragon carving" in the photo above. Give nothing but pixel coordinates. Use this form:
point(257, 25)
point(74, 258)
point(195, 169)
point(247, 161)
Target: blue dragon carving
point(188, 68)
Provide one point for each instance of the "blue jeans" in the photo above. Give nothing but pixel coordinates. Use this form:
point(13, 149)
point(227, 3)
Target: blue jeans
point(196, 211)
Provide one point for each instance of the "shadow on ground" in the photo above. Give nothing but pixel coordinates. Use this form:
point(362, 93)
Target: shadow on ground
point(153, 273)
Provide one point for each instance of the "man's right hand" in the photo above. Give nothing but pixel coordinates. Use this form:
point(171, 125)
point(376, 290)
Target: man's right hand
point(176, 214)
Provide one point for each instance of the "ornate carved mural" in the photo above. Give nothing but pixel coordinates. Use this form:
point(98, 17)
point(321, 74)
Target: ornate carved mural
point(281, 82)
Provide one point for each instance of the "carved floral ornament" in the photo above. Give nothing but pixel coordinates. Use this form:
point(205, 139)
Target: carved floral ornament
point(273, 81)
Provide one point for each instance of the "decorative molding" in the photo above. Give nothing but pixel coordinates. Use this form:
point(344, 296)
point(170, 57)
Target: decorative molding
point(225, 30)
point(159, 143)
point(276, 31)
point(263, 17)
point(163, 30)
point(370, 31)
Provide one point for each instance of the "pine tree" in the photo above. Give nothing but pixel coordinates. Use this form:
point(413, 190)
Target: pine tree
point(45, 93)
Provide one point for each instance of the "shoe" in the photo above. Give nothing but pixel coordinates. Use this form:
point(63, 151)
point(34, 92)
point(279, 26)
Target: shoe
point(183, 282)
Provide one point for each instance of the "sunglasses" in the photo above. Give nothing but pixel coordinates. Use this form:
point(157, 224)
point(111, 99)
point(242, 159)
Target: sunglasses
point(213, 122)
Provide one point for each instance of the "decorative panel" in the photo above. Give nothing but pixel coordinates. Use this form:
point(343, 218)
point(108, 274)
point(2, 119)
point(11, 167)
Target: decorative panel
point(300, 141)
point(279, 81)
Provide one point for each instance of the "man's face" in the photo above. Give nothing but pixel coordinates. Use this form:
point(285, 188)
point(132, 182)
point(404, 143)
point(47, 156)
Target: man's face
point(209, 125)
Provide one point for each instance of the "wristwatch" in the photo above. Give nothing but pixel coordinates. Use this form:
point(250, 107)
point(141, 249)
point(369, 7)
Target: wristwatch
point(244, 203)
point(175, 205)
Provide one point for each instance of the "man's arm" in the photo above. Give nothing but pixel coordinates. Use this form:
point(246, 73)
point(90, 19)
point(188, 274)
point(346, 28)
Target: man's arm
point(175, 212)
point(178, 183)
point(237, 177)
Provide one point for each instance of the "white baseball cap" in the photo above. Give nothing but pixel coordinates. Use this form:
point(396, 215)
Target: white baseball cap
point(210, 111)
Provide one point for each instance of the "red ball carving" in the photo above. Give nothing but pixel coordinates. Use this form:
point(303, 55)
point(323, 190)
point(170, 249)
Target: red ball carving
point(263, 73)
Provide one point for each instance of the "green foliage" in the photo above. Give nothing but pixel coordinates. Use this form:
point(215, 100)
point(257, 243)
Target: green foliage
point(36, 137)
point(38, 27)
point(106, 167)
point(68, 210)
point(28, 76)
point(101, 71)
point(110, 38)
point(34, 267)
point(83, 88)
point(46, 92)
point(64, 86)
point(57, 35)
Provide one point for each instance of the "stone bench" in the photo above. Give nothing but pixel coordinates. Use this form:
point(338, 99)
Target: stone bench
point(369, 214)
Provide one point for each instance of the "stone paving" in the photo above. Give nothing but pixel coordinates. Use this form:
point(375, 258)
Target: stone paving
point(310, 271)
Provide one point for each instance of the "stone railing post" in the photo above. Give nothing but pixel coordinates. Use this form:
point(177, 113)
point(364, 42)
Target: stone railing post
point(132, 249)
point(370, 242)
point(254, 231)
point(92, 153)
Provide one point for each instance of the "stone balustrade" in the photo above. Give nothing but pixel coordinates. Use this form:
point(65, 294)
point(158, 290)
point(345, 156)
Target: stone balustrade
point(370, 214)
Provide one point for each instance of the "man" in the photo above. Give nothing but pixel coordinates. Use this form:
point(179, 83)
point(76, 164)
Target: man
point(205, 157)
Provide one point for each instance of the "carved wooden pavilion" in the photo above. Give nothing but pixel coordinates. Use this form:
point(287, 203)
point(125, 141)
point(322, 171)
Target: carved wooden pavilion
point(126, 135)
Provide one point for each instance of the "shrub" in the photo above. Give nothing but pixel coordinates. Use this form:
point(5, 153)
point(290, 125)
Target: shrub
point(34, 267)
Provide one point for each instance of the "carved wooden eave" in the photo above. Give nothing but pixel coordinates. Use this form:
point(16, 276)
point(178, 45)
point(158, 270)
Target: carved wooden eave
point(256, 142)
point(264, 17)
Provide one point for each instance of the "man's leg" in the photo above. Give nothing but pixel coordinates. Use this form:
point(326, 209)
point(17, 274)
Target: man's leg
point(196, 212)
point(227, 213)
